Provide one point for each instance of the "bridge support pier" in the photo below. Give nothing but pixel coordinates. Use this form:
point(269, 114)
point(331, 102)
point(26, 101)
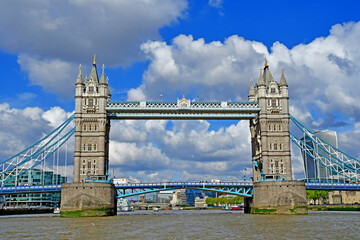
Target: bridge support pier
point(278, 197)
point(93, 199)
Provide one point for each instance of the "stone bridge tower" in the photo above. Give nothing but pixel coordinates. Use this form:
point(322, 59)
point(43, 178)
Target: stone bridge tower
point(92, 127)
point(274, 190)
point(270, 138)
point(90, 194)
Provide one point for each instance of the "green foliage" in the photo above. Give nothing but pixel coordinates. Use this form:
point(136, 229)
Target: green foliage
point(221, 200)
point(317, 194)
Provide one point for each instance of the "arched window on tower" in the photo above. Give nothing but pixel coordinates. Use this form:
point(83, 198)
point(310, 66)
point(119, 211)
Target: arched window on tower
point(275, 146)
point(273, 102)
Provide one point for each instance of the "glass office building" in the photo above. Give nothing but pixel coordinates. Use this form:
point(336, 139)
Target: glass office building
point(314, 170)
point(30, 178)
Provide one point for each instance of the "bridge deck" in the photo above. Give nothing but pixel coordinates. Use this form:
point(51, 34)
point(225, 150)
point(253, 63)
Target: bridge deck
point(176, 185)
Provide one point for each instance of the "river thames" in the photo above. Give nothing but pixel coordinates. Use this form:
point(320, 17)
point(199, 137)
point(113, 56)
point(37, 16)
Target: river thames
point(216, 224)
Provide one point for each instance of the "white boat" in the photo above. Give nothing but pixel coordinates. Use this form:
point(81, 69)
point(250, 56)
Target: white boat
point(57, 210)
point(123, 205)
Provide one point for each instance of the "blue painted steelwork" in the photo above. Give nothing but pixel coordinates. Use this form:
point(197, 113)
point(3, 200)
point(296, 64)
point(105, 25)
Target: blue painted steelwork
point(332, 186)
point(36, 153)
point(329, 156)
point(178, 110)
point(30, 189)
point(132, 189)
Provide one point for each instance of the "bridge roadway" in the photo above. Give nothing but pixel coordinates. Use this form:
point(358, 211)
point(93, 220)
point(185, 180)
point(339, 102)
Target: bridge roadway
point(135, 188)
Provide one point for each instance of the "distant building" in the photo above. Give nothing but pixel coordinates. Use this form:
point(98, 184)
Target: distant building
point(200, 202)
point(30, 178)
point(165, 196)
point(191, 194)
point(344, 197)
point(179, 198)
point(314, 170)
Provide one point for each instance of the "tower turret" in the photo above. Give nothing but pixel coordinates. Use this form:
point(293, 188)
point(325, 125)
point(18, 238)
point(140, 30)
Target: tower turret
point(251, 96)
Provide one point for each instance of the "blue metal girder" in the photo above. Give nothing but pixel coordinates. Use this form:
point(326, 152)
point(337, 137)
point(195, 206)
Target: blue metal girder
point(30, 189)
point(332, 186)
point(241, 189)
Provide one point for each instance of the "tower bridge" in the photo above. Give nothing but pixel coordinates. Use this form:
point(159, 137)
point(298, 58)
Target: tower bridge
point(267, 111)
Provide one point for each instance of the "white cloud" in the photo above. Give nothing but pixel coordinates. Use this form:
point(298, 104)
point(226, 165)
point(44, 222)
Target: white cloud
point(222, 70)
point(21, 128)
point(52, 37)
point(74, 30)
point(215, 3)
point(53, 75)
point(129, 156)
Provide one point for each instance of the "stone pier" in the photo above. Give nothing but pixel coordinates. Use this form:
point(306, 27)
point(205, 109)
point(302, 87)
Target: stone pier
point(88, 199)
point(278, 197)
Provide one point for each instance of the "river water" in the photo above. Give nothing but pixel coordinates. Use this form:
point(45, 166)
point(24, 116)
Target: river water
point(202, 224)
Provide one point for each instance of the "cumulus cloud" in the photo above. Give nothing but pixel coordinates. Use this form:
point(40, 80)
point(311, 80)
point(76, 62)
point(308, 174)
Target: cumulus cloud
point(222, 70)
point(75, 29)
point(50, 36)
point(20, 128)
point(179, 150)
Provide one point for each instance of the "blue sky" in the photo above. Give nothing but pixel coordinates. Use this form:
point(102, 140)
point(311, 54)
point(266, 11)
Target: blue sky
point(203, 49)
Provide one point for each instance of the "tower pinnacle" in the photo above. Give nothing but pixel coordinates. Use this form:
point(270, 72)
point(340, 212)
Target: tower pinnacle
point(94, 62)
point(282, 79)
point(80, 77)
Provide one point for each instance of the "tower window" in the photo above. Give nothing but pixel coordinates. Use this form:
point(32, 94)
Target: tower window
point(89, 164)
point(91, 89)
point(275, 146)
point(273, 102)
point(89, 147)
point(273, 90)
point(90, 102)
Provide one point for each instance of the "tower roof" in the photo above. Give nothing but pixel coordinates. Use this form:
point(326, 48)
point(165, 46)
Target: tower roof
point(261, 79)
point(267, 76)
point(283, 80)
point(93, 73)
